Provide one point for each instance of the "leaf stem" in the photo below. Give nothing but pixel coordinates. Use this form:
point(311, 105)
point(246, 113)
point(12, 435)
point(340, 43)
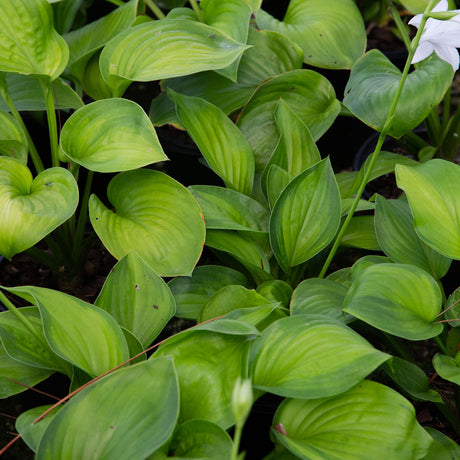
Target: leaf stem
point(237, 440)
point(155, 9)
point(52, 122)
point(197, 9)
point(381, 139)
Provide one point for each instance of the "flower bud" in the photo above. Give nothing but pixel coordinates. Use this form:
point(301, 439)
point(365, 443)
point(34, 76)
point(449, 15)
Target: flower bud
point(242, 399)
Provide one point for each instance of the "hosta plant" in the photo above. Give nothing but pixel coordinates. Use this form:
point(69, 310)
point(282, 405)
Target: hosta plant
point(274, 316)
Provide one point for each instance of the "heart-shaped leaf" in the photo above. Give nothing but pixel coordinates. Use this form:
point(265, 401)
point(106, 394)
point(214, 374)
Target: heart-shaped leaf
point(111, 135)
point(310, 356)
point(431, 190)
point(155, 216)
point(191, 293)
point(370, 415)
point(137, 298)
point(32, 208)
point(164, 49)
point(373, 84)
point(403, 300)
point(443, 447)
point(28, 42)
point(77, 331)
point(219, 140)
point(331, 34)
point(96, 423)
point(270, 54)
point(307, 93)
point(306, 216)
point(395, 231)
point(86, 40)
point(226, 209)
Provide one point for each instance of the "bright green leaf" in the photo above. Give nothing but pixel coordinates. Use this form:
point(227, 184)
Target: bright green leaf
point(111, 135)
point(31, 208)
point(155, 216)
point(403, 300)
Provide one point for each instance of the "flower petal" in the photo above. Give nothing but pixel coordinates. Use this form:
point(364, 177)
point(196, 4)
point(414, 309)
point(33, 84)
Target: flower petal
point(443, 5)
point(448, 54)
point(423, 50)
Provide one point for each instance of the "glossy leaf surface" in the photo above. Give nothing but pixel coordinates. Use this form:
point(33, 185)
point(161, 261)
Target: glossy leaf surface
point(111, 135)
point(370, 415)
point(155, 216)
point(79, 332)
point(331, 34)
point(28, 42)
point(306, 216)
point(403, 300)
point(137, 298)
point(139, 403)
point(32, 208)
point(373, 83)
point(310, 356)
point(165, 49)
point(431, 190)
point(222, 144)
point(306, 92)
point(13, 142)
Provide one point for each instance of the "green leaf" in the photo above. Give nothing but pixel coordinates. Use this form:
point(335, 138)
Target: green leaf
point(208, 364)
point(396, 235)
point(191, 293)
point(139, 403)
point(28, 348)
point(368, 421)
point(155, 216)
point(415, 6)
point(230, 298)
point(319, 297)
point(276, 291)
point(447, 367)
point(271, 54)
point(243, 249)
point(201, 439)
point(163, 49)
point(296, 150)
point(222, 144)
point(306, 216)
point(276, 181)
point(423, 90)
point(306, 92)
point(111, 135)
point(64, 13)
point(331, 35)
point(411, 379)
point(310, 356)
point(77, 331)
point(137, 298)
point(229, 210)
point(360, 233)
point(86, 40)
point(443, 448)
point(452, 308)
point(433, 197)
point(13, 141)
point(28, 42)
point(31, 208)
point(403, 300)
point(31, 432)
point(232, 18)
point(12, 371)
point(27, 94)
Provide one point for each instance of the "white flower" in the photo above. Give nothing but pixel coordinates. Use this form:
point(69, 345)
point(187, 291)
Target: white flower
point(442, 37)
